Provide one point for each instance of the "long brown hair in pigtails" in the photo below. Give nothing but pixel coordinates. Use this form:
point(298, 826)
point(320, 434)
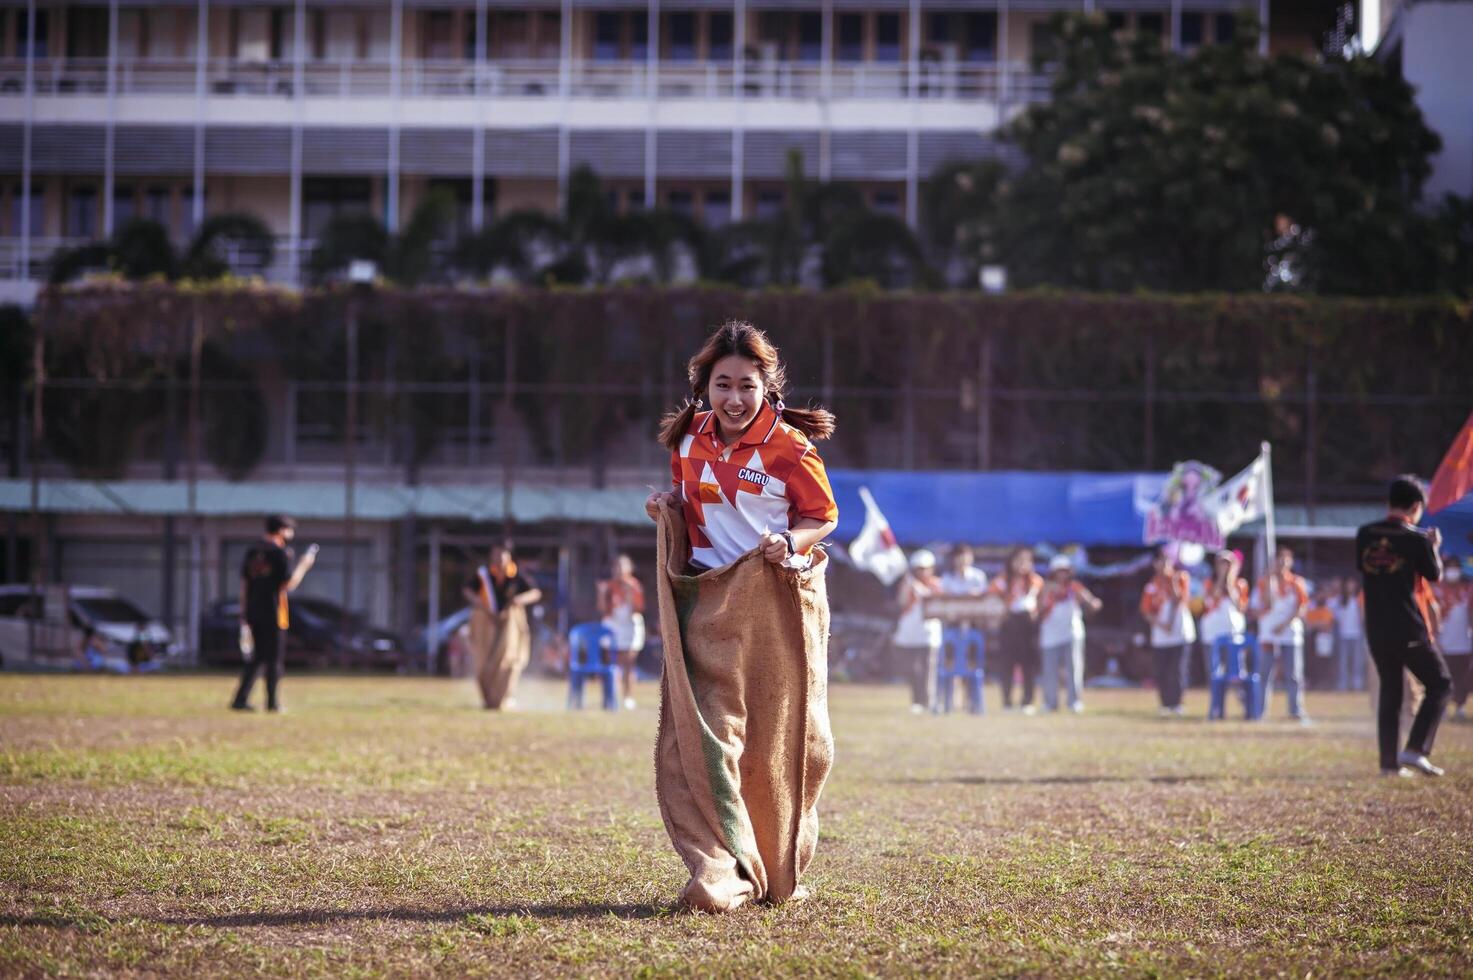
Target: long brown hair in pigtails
point(745, 340)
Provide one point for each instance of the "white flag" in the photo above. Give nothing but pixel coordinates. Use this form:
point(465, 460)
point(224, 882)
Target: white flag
point(1241, 499)
point(876, 549)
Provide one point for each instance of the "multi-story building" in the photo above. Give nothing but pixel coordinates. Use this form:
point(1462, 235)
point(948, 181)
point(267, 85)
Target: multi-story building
point(174, 111)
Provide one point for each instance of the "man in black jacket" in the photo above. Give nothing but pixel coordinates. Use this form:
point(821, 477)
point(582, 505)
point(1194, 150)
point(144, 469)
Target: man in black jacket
point(1397, 561)
point(266, 576)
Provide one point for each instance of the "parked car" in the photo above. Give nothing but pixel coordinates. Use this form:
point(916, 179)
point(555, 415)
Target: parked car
point(442, 642)
point(125, 637)
point(317, 637)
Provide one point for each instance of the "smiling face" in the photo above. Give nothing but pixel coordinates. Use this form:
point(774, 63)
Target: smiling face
point(735, 394)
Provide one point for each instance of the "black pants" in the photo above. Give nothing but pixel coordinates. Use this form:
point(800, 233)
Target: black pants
point(1171, 674)
point(1019, 641)
point(270, 657)
point(1427, 666)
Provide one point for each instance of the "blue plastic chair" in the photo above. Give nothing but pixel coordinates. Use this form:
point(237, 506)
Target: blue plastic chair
point(591, 654)
point(1235, 659)
point(963, 657)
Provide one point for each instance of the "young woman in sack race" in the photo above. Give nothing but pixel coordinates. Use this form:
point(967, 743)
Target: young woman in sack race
point(744, 744)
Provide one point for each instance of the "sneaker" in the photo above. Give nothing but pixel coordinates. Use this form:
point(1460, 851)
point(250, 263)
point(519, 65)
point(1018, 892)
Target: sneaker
point(1077, 707)
point(241, 707)
point(917, 709)
point(1400, 772)
point(1164, 712)
point(276, 709)
point(1179, 710)
point(629, 704)
point(1304, 720)
point(1419, 762)
point(1029, 709)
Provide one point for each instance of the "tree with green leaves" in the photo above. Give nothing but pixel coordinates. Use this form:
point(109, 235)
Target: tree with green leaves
point(141, 249)
point(1218, 170)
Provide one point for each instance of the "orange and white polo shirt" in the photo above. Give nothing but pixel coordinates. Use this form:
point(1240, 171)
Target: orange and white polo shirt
point(732, 495)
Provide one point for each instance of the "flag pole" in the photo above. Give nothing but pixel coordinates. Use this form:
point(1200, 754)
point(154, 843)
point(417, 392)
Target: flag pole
point(1268, 505)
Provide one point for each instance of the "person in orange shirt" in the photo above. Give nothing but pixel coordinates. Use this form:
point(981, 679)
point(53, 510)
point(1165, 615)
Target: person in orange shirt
point(1164, 605)
point(621, 606)
point(1020, 586)
point(1454, 631)
point(1282, 600)
point(1225, 601)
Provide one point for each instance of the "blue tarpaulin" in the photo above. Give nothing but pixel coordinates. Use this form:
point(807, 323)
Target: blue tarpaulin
point(998, 508)
point(1456, 522)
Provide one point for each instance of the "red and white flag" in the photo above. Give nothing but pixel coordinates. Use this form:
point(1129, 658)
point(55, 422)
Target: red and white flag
point(876, 549)
point(1244, 498)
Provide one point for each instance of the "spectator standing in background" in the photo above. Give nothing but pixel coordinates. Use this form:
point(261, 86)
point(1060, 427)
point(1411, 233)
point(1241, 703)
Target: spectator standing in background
point(1020, 586)
point(621, 604)
point(1225, 600)
point(1397, 561)
point(1281, 602)
point(1350, 643)
point(1173, 631)
point(266, 578)
point(963, 578)
point(1455, 608)
point(918, 638)
point(1061, 633)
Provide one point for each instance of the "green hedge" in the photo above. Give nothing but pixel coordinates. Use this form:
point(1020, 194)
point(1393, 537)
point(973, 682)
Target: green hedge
point(1077, 381)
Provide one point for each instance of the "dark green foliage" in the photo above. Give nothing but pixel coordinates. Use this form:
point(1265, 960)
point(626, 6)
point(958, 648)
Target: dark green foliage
point(1223, 170)
point(243, 235)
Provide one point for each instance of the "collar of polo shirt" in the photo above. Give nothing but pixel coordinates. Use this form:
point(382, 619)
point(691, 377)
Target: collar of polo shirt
point(758, 432)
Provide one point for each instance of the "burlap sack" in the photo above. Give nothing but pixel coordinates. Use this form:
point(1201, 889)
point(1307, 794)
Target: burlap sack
point(744, 744)
point(502, 645)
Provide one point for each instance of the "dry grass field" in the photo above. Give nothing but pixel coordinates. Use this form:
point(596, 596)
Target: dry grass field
point(387, 826)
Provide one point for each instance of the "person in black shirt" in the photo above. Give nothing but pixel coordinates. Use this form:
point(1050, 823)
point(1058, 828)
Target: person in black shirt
point(1397, 561)
point(501, 638)
point(266, 576)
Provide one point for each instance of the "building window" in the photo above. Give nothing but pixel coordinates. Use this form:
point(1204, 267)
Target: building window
point(681, 202)
point(439, 35)
point(1224, 28)
point(1152, 24)
point(716, 208)
point(851, 37)
point(125, 205)
point(513, 34)
point(938, 28)
point(606, 30)
point(156, 201)
point(981, 37)
point(887, 38)
point(43, 32)
point(719, 29)
point(81, 212)
point(1191, 29)
point(639, 36)
point(325, 198)
point(682, 28)
point(769, 204)
point(810, 37)
point(1044, 45)
point(86, 35)
point(549, 34)
point(17, 206)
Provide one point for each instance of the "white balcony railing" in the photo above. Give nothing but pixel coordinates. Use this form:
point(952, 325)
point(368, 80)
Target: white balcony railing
point(533, 78)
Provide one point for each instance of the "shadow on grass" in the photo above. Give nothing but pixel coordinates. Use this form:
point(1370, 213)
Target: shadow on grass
point(1053, 780)
point(305, 917)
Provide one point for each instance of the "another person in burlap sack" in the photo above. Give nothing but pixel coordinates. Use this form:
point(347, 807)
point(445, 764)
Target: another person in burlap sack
point(501, 638)
point(744, 744)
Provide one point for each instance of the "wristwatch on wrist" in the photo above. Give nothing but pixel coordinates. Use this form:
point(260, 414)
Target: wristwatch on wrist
point(788, 537)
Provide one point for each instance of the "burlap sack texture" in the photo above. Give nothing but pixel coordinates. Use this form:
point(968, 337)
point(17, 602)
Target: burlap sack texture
point(744, 744)
point(502, 644)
